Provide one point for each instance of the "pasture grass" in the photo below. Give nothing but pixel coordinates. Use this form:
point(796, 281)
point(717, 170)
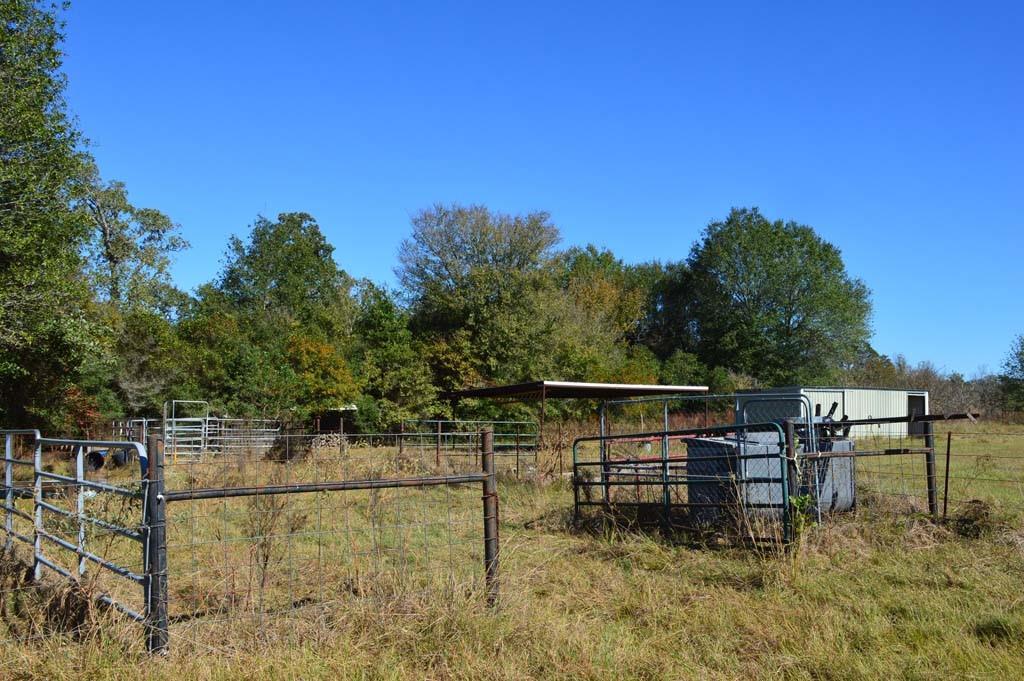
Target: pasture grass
point(869, 595)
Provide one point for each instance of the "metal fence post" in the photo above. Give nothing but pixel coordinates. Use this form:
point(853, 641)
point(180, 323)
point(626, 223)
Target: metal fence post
point(437, 446)
point(80, 506)
point(517, 452)
point(490, 498)
point(666, 491)
point(37, 511)
point(9, 488)
point(945, 493)
point(929, 460)
point(790, 474)
point(156, 552)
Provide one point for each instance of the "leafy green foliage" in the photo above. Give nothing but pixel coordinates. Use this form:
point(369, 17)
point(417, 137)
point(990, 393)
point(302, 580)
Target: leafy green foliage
point(272, 336)
point(1012, 378)
point(44, 333)
point(773, 300)
point(395, 377)
point(129, 249)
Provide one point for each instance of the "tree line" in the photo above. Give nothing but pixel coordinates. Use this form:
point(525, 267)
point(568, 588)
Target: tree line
point(92, 326)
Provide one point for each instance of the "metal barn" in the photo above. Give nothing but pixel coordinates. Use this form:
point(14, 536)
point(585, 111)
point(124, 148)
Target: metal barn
point(855, 403)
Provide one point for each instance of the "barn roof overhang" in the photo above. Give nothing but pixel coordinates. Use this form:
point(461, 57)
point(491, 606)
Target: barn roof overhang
point(536, 390)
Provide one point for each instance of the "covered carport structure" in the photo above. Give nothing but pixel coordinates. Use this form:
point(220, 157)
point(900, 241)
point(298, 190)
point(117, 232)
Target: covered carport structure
point(569, 390)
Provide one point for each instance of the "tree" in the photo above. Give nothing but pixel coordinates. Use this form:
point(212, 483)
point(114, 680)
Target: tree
point(286, 274)
point(395, 377)
point(129, 249)
point(272, 335)
point(1012, 379)
point(773, 300)
point(474, 280)
point(44, 332)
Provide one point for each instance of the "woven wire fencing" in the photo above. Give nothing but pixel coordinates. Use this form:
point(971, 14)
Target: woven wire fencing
point(516, 443)
point(222, 551)
point(271, 544)
point(970, 475)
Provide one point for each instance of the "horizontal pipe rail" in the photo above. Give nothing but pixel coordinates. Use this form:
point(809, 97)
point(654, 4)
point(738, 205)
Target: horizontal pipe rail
point(92, 484)
point(90, 556)
point(102, 598)
point(102, 524)
point(329, 486)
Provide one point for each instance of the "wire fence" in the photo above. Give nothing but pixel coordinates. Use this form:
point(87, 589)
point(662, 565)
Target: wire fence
point(713, 481)
point(209, 550)
point(731, 479)
point(971, 477)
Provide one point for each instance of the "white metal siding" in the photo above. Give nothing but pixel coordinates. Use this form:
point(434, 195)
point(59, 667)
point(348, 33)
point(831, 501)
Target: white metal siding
point(825, 397)
point(872, 404)
point(856, 403)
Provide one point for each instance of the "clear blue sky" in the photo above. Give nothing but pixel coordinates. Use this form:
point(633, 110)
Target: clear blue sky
point(896, 132)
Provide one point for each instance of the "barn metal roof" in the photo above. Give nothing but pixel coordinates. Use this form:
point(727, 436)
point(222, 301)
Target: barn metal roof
point(573, 390)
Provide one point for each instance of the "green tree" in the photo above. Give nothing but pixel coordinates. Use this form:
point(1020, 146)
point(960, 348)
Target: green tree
point(395, 377)
point(272, 335)
point(44, 332)
point(127, 256)
point(129, 249)
point(473, 279)
point(773, 300)
point(1012, 379)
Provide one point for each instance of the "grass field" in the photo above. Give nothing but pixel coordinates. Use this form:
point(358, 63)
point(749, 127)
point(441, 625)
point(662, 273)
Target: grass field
point(871, 595)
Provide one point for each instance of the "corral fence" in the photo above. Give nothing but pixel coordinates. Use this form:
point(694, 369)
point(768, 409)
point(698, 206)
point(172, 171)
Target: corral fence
point(209, 551)
point(64, 520)
point(198, 436)
point(516, 443)
point(727, 476)
point(894, 465)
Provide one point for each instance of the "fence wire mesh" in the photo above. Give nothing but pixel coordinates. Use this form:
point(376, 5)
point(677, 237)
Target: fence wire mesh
point(236, 564)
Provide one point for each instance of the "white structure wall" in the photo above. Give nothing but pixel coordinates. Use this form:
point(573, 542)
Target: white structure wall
point(856, 403)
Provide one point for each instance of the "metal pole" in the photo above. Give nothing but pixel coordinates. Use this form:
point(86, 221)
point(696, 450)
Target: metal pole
point(666, 493)
point(790, 464)
point(517, 451)
point(945, 491)
point(603, 450)
point(156, 552)
point(560, 446)
point(80, 507)
point(490, 499)
point(929, 460)
point(543, 414)
point(437, 449)
point(401, 439)
point(9, 488)
point(37, 501)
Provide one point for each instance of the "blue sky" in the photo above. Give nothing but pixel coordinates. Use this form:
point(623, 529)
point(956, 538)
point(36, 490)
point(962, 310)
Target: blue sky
point(895, 131)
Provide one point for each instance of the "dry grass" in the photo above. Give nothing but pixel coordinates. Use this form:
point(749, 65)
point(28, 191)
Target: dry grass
point(867, 596)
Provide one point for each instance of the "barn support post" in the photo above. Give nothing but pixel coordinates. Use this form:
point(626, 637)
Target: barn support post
point(603, 447)
point(929, 462)
point(517, 451)
point(543, 414)
point(490, 499)
point(155, 549)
